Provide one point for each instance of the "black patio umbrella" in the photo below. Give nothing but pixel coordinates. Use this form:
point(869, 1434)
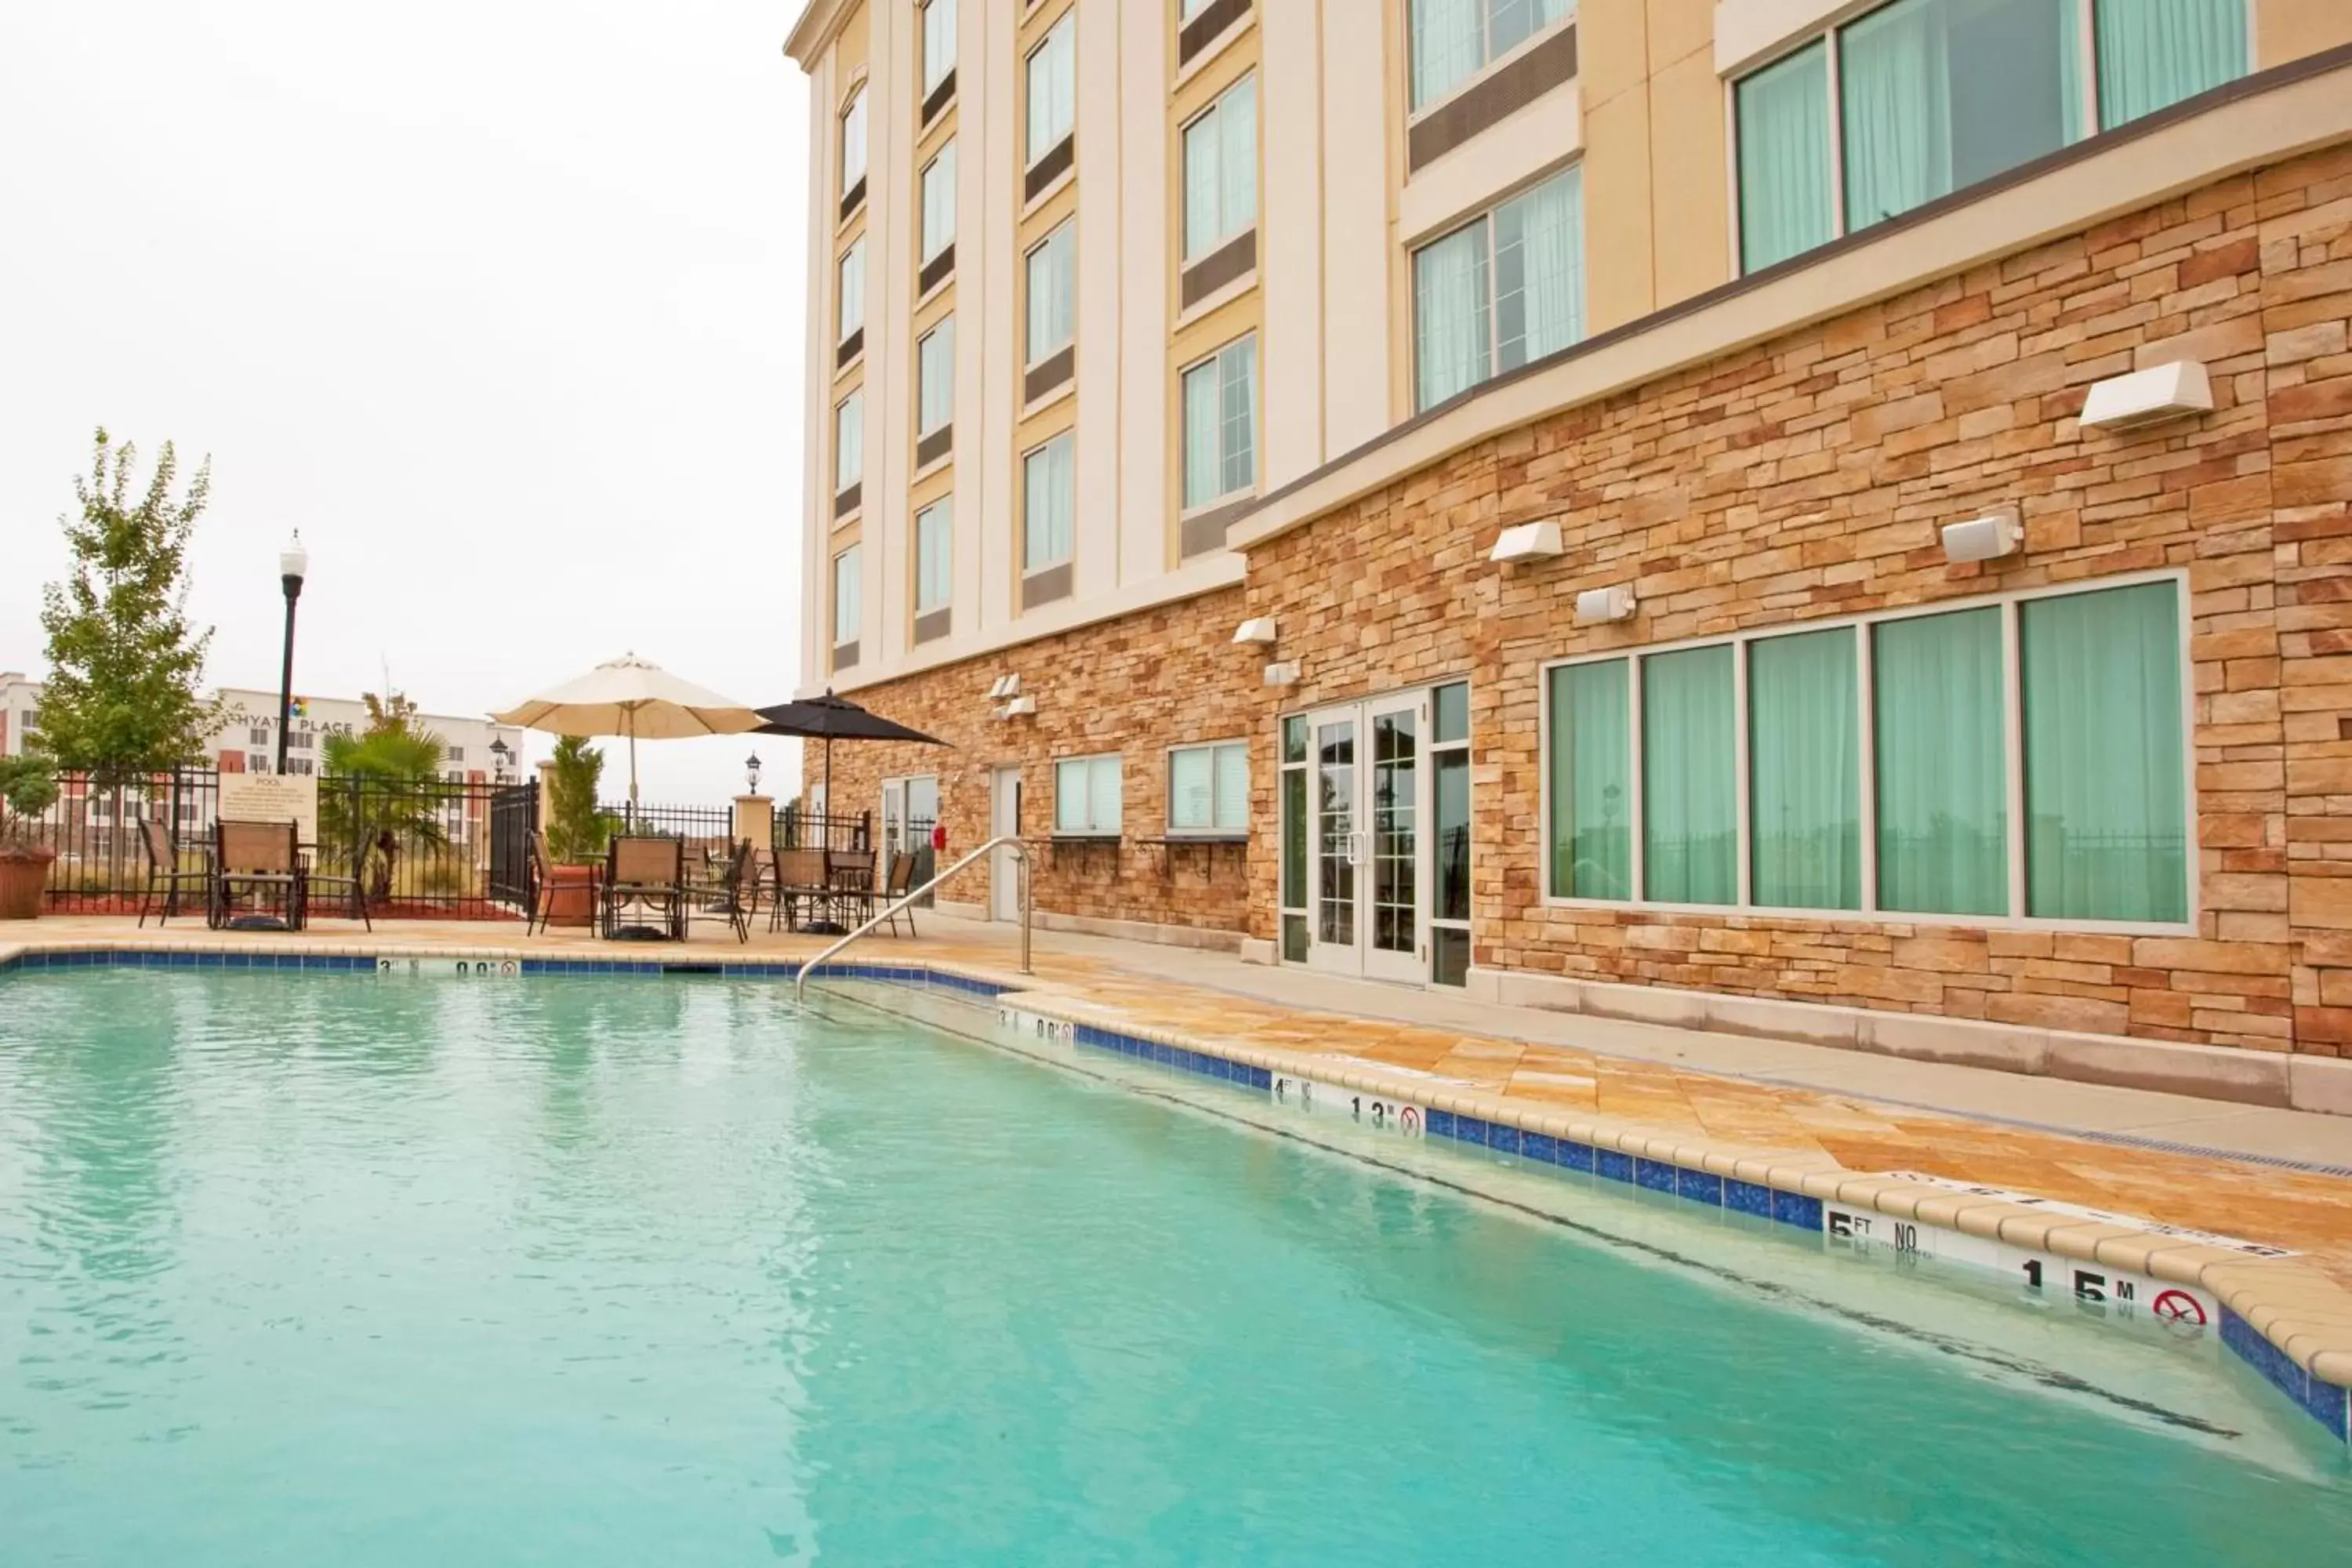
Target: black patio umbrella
point(829, 718)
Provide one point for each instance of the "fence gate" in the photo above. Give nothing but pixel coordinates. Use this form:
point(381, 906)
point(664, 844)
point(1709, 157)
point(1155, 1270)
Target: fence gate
point(514, 817)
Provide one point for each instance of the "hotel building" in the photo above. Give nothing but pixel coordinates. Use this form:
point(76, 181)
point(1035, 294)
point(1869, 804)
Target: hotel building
point(1822, 519)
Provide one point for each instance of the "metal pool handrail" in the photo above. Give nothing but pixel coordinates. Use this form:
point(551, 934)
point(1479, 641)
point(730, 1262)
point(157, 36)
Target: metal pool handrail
point(1004, 841)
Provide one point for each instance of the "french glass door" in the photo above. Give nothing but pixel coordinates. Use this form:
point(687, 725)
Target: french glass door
point(1368, 796)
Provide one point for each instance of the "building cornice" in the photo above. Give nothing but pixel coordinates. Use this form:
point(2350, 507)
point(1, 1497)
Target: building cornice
point(2261, 119)
point(820, 20)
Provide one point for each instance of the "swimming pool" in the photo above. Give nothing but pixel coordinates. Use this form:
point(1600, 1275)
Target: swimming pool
point(595, 1271)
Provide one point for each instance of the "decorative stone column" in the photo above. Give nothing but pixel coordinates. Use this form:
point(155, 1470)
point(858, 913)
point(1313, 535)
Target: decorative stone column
point(755, 819)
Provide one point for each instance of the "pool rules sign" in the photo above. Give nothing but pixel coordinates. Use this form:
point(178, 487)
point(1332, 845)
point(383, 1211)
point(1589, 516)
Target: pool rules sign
point(272, 797)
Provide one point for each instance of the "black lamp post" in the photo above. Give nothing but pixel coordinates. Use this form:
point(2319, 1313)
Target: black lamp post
point(293, 564)
point(751, 773)
point(501, 755)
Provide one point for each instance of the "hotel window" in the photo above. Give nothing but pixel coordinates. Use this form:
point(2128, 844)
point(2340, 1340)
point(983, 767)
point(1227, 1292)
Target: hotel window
point(853, 150)
point(935, 378)
point(1220, 401)
point(1449, 754)
point(934, 556)
point(1453, 40)
point(1208, 788)
point(1221, 170)
point(939, 202)
point(939, 42)
point(1086, 796)
point(1869, 766)
point(1922, 97)
point(1052, 279)
point(849, 442)
point(1505, 288)
point(847, 597)
point(1291, 887)
point(852, 292)
point(1048, 504)
point(1052, 88)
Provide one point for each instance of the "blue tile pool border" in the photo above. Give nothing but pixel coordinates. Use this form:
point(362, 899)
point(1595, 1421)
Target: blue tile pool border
point(2324, 1402)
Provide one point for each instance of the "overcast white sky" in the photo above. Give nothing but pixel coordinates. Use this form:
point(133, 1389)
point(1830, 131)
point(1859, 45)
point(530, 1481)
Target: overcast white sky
point(499, 301)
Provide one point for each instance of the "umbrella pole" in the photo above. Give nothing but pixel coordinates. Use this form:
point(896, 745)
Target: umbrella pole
point(828, 791)
point(633, 763)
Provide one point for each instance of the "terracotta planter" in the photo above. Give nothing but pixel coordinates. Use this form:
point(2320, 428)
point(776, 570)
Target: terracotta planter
point(24, 873)
point(572, 895)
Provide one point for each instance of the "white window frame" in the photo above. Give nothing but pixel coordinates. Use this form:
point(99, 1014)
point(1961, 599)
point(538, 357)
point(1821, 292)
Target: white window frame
point(925, 425)
point(1214, 115)
point(1066, 234)
point(1185, 432)
point(1494, 62)
point(848, 569)
point(942, 164)
point(853, 140)
point(943, 510)
point(1093, 828)
point(850, 287)
point(1486, 220)
point(2086, 51)
point(2012, 748)
point(849, 414)
point(935, 68)
point(1070, 548)
point(1212, 829)
point(1061, 41)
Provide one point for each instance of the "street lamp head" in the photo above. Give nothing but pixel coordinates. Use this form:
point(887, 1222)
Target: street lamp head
point(294, 562)
point(751, 771)
point(500, 750)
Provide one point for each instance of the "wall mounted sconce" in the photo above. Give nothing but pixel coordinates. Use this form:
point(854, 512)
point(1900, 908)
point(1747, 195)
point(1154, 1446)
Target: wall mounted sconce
point(1019, 708)
point(1259, 630)
point(1615, 603)
point(1283, 674)
point(1006, 686)
point(2150, 396)
point(1528, 542)
point(1986, 538)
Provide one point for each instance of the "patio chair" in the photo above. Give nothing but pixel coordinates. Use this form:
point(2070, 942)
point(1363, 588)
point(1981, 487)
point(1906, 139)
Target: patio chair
point(253, 859)
point(164, 875)
point(799, 884)
point(896, 886)
point(542, 886)
point(733, 897)
point(645, 871)
point(349, 886)
point(849, 874)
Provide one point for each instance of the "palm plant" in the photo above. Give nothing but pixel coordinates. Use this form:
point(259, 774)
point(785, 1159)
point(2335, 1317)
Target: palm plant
point(381, 800)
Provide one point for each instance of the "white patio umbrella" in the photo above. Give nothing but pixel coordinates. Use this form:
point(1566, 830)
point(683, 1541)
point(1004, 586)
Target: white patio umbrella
point(628, 696)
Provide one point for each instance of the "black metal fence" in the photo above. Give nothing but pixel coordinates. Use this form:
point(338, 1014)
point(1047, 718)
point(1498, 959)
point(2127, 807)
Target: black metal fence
point(687, 822)
point(420, 848)
point(799, 830)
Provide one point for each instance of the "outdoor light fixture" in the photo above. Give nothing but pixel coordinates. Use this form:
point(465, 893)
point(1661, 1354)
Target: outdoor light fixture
point(1986, 538)
point(1019, 708)
point(501, 755)
point(2151, 397)
point(293, 566)
point(1260, 630)
point(1528, 542)
point(1283, 674)
point(751, 773)
point(1006, 686)
point(1615, 603)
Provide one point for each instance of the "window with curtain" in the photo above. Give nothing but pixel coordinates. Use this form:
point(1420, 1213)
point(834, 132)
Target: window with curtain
point(2106, 801)
point(935, 377)
point(939, 42)
point(849, 441)
point(853, 290)
point(1450, 41)
point(1048, 504)
point(847, 596)
point(940, 202)
point(1087, 794)
point(1804, 771)
point(1783, 114)
point(2154, 53)
point(1220, 413)
point(1208, 788)
point(1690, 779)
point(1503, 290)
point(1052, 88)
point(1053, 286)
point(1591, 774)
point(1939, 718)
point(852, 143)
point(1221, 170)
point(934, 555)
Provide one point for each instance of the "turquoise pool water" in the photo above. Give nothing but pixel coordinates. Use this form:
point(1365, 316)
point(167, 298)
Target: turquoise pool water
point(356, 1271)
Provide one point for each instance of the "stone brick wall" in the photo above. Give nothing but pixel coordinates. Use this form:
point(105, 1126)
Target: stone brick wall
point(1166, 676)
point(1808, 476)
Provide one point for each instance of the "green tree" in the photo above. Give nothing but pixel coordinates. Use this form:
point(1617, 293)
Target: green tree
point(576, 830)
point(379, 800)
point(121, 702)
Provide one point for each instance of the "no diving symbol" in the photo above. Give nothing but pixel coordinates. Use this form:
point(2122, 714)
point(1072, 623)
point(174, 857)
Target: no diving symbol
point(2179, 1307)
point(1409, 1120)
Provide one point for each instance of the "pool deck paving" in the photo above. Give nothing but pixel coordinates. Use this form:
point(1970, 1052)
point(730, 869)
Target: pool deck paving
point(1837, 1125)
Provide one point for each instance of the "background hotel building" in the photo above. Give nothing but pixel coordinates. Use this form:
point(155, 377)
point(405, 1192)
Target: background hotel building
point(1414, 327)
